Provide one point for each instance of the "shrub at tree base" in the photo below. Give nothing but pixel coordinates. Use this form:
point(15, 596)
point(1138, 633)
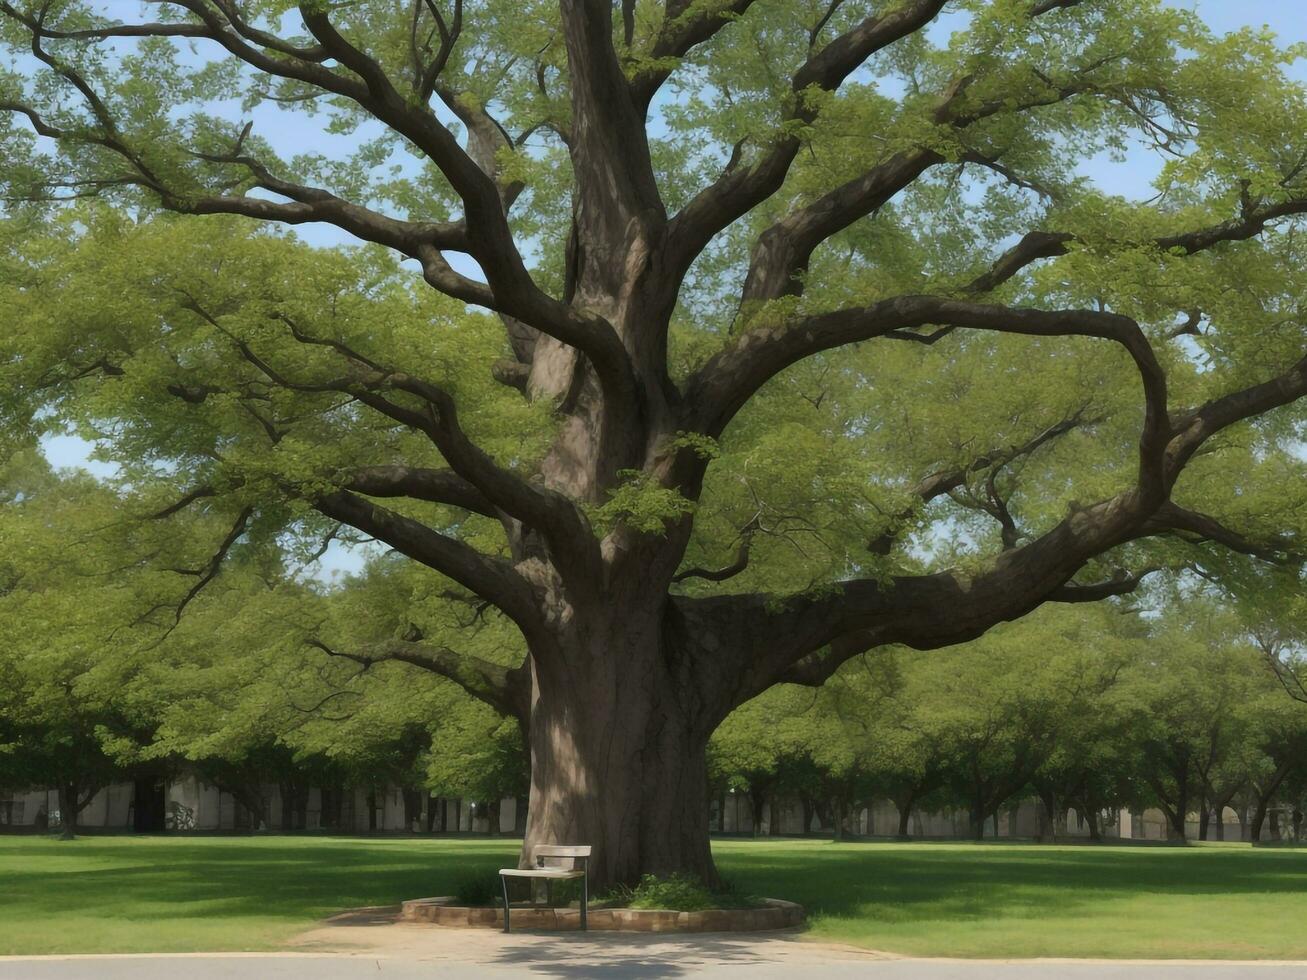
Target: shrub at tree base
point(677, 892)
point(680, 893)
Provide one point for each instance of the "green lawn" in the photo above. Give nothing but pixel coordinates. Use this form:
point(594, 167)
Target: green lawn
point(120, 894)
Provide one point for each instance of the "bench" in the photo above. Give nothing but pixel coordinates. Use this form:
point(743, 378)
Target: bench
point(553, 862)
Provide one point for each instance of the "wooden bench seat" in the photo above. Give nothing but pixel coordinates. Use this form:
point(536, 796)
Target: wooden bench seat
point(553, 862)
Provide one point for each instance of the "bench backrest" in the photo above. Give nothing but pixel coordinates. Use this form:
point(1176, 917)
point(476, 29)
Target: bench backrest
point(561, 855)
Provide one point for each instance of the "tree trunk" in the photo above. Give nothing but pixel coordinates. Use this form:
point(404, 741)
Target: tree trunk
point(1204, 820)
point(1047, 814)
point(492, 817)
point(806, 804)
point(332, 810)
point(838, 813)
point(824, 816)
point(1175, 829)
point(905, 816)
point(1091, 818)
point(1259, 818)
point(757, 801)
point(618, 762)
point(68, 810)
point(294, 806)
point(976, 819)
point(412, 809)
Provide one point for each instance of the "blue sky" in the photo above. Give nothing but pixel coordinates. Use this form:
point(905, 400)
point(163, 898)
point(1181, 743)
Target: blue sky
point(298, 133)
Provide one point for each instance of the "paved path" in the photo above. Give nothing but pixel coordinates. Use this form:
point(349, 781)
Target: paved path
point(555, 960)
point(371, 946)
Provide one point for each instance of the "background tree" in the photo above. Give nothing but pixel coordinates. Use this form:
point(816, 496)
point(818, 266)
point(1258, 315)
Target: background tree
point(478, 755)
point(748, 753)
point(67, 639)
point(863, 310)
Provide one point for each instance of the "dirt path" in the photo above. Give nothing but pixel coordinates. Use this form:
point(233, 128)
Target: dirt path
point(377, 933)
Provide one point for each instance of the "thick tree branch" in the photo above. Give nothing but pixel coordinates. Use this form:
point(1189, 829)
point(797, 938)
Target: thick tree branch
point(946, 481)
point(684, 26)
point(717, 391)
point(741, 188)
point(1198, 528)
point(416, 483)
point(1195, 428)
point(506, 689)
point(609, 143)
point(209, 571)
point(783, 251)
point(199, 493)
point(737, 566)
point(1122, 583)
point(314, 204)
point(805, 639)
point(491, 578)
point(1038, 245)
point(488, 239)
point(553, 514)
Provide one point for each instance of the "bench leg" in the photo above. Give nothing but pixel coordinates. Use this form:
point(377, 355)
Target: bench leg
point(503, 883)
point(585, 902)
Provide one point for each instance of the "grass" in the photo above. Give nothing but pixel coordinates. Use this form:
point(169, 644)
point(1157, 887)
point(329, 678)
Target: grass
point(162, 894)
point(135, 894)
point(1026, 900)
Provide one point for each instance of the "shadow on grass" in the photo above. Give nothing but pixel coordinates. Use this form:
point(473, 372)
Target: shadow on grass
point(269, 878)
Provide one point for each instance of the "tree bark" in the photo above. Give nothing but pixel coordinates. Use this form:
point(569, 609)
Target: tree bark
point(1095, 831)
point(905, 816)
point(1175, 828)
point(976, 816)
point(618, 758)
point(757, 801)
point(1047, 811)
point(1264, 792)
point(1259, 818)
point(68, 811)
point(519, 814)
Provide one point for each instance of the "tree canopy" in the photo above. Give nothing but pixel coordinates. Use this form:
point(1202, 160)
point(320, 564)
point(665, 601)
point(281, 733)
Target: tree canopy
point(709, 344)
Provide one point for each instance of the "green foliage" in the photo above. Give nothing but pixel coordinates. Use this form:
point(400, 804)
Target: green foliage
point(478, 888)
point(640, 502)
point(204, 354)
point(678, 892)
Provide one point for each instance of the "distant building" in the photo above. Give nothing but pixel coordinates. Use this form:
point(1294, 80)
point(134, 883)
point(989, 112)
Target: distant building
point(188, 804)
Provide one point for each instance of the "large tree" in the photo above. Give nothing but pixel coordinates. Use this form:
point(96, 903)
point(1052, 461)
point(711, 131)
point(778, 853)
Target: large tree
point(824, 339)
